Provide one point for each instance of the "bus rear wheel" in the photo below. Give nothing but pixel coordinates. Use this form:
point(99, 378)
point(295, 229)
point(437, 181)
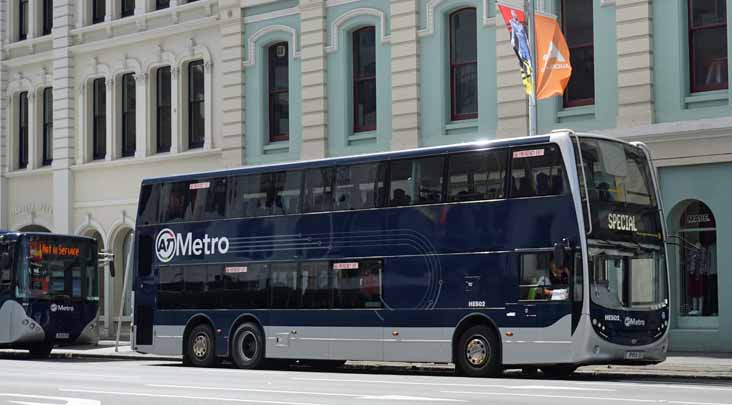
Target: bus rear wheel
point(200, 350)
point(478, 353)
point(247, 349)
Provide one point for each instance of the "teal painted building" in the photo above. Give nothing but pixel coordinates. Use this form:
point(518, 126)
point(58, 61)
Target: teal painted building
point(376, 75)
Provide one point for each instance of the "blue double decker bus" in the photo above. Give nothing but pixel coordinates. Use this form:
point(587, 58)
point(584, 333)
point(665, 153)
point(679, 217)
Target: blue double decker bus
point(543, 251)
point(49, 291)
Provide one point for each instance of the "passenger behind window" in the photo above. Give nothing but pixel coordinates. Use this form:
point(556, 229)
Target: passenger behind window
point(400, 198)
point(555, 284)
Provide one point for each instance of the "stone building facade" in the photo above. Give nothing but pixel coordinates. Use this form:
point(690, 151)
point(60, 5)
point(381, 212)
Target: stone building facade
point(226, 83)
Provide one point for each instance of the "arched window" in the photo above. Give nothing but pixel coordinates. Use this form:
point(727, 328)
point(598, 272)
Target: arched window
point(163, 110)
point(99, 119)
point(698, 261)
point(196, 104)
point(364, 80)
point(463, 64)
point(279, 92)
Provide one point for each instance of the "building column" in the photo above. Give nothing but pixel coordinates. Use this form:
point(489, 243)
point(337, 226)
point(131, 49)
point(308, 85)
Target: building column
point(314, 75)
point(405, 74)
point(233, 83)
point(513, 114)
point(4, 107)
point(64, 129)
point(634, 35)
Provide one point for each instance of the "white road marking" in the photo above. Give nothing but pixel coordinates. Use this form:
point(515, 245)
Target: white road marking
point(584, 398)
point(501, 386)
point(253, 390)
point(196, 398)
point(408, 398)
point(695, 403)
point(64, 400)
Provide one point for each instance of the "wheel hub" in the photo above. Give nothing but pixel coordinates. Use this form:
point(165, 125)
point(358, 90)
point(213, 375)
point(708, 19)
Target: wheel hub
point(249, 345)
point(200, 346)
point(476, 351)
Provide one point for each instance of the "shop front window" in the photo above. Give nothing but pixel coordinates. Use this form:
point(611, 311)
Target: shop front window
point(697, 239)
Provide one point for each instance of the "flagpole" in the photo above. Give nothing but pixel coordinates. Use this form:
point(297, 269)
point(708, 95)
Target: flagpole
point(529, 7)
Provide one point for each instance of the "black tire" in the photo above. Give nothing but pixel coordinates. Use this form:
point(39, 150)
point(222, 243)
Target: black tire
point(200, 347)
point(560, 371)
point(247, 346)
point(41, 350)
point(478, 353)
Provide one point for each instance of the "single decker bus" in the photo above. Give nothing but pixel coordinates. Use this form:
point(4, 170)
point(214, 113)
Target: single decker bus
point(49, 291)
point(537, 252)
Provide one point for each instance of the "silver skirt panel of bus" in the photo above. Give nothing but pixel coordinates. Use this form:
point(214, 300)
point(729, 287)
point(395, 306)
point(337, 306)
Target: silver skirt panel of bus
point(20, 328)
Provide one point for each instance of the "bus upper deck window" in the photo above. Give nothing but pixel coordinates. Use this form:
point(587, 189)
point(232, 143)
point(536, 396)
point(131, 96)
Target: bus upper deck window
point(537, 171)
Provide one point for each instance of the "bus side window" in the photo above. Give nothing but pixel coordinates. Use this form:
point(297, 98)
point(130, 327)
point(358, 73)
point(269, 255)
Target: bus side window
point(315, 291)
point(416, 181)
point(6, 280)
point(170, 288)
point(357, 284)
point(537, 171)
point(319, 189)
point(476, 176)
point(357, 186)
point(149, 201)
point(284, 286)
point(215, 199)
point(285, 195)
point(541, 279)
point(248, 196)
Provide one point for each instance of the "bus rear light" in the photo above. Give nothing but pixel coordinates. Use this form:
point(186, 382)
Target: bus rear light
point(509, 334)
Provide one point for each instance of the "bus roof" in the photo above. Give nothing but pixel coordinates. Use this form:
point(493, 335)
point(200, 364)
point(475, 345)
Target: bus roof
point(365, 158)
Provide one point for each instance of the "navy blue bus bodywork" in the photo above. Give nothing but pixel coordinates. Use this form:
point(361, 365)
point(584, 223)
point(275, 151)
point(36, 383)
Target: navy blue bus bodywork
point(444, 268)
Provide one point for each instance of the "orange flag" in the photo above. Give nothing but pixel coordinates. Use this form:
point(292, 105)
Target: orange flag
point(552, 58)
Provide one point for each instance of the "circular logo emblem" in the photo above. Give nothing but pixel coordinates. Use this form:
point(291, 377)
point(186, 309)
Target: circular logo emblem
point(54, 307)
point(165, 245)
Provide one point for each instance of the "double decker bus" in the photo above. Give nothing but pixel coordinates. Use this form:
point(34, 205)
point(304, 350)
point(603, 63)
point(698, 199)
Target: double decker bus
point(49, 291)
point(537, 252)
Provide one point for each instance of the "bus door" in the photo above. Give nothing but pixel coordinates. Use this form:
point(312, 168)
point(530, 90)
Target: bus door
point(144, 289)
point(544, 311)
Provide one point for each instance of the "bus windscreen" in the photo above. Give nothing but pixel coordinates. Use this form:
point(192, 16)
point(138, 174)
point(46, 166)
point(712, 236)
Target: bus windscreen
point(60, 268)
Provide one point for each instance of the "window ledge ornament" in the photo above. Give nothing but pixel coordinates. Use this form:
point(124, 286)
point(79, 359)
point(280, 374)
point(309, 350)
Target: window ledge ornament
point(429, 29)
point(252, 42)
point(335, 26)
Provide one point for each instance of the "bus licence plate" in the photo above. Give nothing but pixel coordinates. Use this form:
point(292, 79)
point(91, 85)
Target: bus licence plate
point(62, 336)
point(634, 355)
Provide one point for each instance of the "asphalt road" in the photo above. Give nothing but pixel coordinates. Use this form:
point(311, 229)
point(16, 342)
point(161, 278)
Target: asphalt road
point(24, 381)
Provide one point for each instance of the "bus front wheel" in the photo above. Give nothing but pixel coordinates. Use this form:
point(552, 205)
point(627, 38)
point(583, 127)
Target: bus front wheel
point(247, 346)
point(477, 353)
point(200, 350)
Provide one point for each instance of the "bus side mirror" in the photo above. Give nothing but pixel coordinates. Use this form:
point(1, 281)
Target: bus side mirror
point(560, 255)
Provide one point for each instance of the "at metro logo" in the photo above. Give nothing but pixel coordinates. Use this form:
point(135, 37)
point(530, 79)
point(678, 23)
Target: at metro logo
point(169, 244)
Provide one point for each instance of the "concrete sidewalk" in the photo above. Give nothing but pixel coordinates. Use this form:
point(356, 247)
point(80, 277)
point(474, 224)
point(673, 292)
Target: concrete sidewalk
point(677, 365)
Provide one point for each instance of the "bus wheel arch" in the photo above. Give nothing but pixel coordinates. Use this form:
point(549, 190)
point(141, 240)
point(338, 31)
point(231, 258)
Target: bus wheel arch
point(477, 322)
point(195, 322)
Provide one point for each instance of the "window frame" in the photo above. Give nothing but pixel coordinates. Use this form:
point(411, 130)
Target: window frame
point(129, 132)
point(545, 300)
point(359, 79)
point(511, 191)
point(126, 12)
point(160, 109)
point(454, 115)
point(504, 192)
point(23, 125)
point(47, 17)
point(23, 19)
point(693, 30)
point(47, 144)
point(580, 102)
point(272, 92)
point(192, 102)
point(97, 6)
point(99, 114)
